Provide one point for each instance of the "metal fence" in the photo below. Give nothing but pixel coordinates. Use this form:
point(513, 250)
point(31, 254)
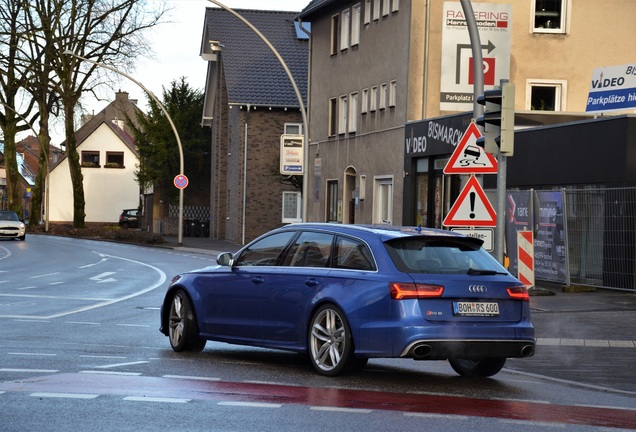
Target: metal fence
point(581, 236)
point(601, 237)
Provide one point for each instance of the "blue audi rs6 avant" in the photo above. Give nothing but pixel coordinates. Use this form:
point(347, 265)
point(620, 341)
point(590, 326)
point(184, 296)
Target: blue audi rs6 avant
point(348, 293)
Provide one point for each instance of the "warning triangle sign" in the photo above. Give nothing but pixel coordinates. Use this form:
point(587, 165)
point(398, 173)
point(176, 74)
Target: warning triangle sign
point(469, 158)
point(472, 208)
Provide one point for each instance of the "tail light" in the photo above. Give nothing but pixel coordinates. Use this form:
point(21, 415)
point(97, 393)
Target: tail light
point(403, 291)
point(518, 293)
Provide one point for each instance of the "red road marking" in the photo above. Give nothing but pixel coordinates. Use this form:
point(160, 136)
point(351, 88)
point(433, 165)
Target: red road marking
point(332, 397)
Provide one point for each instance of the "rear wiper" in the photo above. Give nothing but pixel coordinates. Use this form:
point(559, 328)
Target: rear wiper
point(472, 271)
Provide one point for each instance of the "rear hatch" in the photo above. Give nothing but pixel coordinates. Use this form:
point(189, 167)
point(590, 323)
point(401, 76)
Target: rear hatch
point(458, 281)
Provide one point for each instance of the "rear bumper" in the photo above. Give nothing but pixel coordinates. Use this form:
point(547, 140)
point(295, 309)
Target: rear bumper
point(468, 349)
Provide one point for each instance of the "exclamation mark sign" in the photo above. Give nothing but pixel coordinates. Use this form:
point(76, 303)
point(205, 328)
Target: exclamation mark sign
point(472, 205)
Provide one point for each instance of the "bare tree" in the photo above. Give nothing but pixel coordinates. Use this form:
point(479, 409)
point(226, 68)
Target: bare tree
point(105, 31)
point(12, 80)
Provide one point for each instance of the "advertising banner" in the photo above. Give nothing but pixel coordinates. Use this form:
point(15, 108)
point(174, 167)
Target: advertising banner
point(457, 80)
point(519, 217)
point(549, 242)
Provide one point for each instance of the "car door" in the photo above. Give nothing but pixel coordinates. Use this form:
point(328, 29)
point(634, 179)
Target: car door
point(291, 288)
point(233, 297)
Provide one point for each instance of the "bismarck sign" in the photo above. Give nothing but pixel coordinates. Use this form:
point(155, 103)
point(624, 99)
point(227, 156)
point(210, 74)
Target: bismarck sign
point(436, 136)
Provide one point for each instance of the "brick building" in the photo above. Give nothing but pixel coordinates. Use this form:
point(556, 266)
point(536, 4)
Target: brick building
point(249, 103)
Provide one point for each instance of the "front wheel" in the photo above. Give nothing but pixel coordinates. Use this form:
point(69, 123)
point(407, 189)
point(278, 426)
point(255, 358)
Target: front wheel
point(331, 344)
point(183, 330)
point(477, 368)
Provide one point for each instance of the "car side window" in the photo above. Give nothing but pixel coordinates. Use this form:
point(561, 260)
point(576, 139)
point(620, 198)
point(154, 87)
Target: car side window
point(352, 254)
point(265, 252)
point(311, 249)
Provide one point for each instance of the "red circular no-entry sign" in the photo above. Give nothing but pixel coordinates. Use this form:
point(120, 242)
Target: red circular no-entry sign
point(181, 181)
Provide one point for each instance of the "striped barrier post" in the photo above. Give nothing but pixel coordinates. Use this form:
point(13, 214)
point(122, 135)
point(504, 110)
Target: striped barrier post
point(525, 252)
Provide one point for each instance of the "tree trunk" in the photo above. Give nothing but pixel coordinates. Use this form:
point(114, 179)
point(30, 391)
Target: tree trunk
point(38, 197)
point(14, 185)
point(77, 179)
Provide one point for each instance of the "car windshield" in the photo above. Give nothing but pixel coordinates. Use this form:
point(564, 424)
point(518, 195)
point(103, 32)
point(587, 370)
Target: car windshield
point(9, 216)
point(441, 255)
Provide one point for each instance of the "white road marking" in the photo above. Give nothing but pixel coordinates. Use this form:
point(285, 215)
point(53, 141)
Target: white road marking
point(32, 354)
point(102, 302)
point(249, 404)
point(29, 370)
point(340, 409)
point(65, 395)
point(196, 378)
point(121, 364)
point(155, 399)
point(110, 373)
point(100, 277)
point(132, 325)
point(43, 275)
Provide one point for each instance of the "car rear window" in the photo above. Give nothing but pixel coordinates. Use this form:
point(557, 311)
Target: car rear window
point(440, 255)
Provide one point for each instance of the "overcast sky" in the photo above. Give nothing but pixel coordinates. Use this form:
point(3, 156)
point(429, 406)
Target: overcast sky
point(176, 45)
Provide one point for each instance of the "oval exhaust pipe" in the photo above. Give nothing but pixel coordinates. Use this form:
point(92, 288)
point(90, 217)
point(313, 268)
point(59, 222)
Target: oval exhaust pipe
point(527, 351)
point(422, 350)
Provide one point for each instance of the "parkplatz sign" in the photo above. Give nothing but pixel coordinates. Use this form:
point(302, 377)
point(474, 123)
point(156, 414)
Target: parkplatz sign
point(613, 88)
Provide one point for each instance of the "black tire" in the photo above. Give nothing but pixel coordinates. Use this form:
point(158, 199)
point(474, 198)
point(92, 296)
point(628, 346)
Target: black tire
point(330, 343)
point(183, 330)
point(477, 368)
point(125, 225)
point(22, 238)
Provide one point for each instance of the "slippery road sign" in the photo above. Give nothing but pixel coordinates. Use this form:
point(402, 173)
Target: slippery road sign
point(469, 158)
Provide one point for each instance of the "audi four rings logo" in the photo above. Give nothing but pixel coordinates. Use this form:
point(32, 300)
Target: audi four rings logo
point(477, 288)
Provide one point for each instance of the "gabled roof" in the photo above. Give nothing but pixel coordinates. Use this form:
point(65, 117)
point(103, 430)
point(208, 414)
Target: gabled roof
point(252, 72)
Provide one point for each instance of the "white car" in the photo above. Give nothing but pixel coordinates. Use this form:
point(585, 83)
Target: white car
point(11, 226)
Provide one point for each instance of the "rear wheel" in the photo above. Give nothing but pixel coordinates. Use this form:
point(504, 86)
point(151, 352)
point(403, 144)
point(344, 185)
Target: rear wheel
point(477, 368)
point(331, 344)
point(183, 330)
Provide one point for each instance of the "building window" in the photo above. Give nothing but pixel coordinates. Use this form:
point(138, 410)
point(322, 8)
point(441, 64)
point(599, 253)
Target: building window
point(545, 95)
point(367, 12)
point(393, 93)
point(383, 96)
point(355, 24)
point(364, 103)
point(292, 207)
point(335, 24)
point(114, 160)
point(345, 29)
point(294, 128)
point(90, 159)
point(353, 112)
point(332, 200)
point(376, 10)
point(395, 5)
point(386, 7)
point(343, 111)
point(373, 99)
point(333, 112)
point(550, 16)
point(383, 195)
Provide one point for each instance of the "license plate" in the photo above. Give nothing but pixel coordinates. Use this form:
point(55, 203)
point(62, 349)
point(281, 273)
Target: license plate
point(475, 309)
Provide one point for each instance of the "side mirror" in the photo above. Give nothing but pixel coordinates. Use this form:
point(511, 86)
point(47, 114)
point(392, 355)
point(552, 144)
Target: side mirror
point(225, 259)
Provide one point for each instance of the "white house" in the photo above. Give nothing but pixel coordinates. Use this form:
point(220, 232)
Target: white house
point(109, 160)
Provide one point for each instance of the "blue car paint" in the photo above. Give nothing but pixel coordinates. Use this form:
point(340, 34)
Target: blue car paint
point(272, 306)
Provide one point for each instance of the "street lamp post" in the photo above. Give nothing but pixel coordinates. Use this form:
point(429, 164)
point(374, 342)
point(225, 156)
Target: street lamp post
point(165, 112)
point(296, 90)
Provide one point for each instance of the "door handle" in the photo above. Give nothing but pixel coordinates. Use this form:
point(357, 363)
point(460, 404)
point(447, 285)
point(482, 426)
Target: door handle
point(257, 280)
point(311, 282)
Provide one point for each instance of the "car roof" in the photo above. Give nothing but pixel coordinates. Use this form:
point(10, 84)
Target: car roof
point(386, 232)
